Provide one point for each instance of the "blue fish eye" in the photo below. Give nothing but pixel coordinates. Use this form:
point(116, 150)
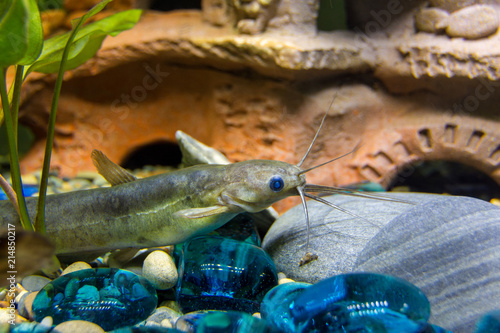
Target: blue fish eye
point(276, 184)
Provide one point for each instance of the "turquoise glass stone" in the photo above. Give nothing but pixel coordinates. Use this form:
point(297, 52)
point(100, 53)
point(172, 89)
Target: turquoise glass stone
point(361, 302)
point(217, 273)
point(231, 322)
point(489, 323)
point(240, 228)
point(110, 297)
point(275, 306)
point(28, 327)
point(222, 322)
point(146, 329)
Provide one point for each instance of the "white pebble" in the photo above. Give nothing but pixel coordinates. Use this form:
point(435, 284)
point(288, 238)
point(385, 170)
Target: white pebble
point(285, 280)
point(47, 321)
point(166, 323)
point(160, 270)
point(78, 326)
point(76, 266)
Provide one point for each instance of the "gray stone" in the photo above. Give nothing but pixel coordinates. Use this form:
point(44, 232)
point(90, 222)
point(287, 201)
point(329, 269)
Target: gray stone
point(34, 282)
point(449, 247)
point(21, 303)
point(26, 309)
point(336, 237)
point(473, 22)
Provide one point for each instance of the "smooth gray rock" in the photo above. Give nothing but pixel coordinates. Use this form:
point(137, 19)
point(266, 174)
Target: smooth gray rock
point(336, 237)
point(34, 282)
point(449, 247)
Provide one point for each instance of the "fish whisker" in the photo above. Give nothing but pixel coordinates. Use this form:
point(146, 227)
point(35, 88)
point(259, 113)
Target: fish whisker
point(302, 194)
point(344, 191)
point(343, 210)
point(328, 203)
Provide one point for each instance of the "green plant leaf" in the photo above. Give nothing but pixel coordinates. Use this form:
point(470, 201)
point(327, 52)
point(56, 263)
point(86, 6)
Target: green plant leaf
point(86, 43)
point(21, 35)
point(35, 34)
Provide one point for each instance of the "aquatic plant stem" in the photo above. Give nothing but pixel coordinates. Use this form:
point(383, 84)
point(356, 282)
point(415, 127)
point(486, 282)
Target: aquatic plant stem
point(18, 81)
point(9, 192)
point(14, 158)
point(40, 216)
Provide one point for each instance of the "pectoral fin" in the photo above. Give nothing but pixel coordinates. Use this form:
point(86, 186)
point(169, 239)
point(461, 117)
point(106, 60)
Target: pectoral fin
point(196, 213)
point(111, 171)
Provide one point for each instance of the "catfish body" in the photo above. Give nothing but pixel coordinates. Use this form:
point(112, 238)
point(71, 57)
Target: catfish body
point(134, 214)
point(160, 210)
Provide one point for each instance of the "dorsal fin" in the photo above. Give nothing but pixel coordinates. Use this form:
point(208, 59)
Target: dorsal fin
point(194, 152)
point(111, 171)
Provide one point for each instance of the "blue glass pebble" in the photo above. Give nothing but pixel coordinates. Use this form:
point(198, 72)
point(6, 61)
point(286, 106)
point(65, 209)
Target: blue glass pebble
point(361, 302)
point(146, 329)
point(231, 322)
point(240, 228)
point(28, 191)
point(109, 297)
point(275, 306)
point(29, 327)
point(489, 323)
point(222, 322)
point(217, 273)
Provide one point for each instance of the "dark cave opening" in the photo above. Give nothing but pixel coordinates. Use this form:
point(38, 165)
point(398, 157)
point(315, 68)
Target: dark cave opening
point(164, 153)
point(446, 177)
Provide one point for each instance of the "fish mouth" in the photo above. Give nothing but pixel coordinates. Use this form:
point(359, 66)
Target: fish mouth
point(247, 206)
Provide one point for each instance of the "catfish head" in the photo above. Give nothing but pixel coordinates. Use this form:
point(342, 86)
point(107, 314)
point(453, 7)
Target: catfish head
point(255, 185)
